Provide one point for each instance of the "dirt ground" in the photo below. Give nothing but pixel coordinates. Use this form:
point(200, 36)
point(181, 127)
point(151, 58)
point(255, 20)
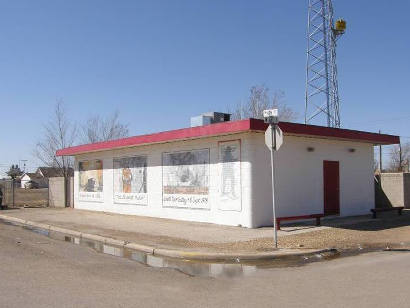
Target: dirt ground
point(390, 230)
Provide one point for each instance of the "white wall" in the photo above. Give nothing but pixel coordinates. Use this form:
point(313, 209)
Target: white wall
point(154, 183)
point(24, 180)
point(299, 182)
point(299, 177)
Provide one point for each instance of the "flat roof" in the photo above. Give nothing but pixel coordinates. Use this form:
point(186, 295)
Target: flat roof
point(232, 127)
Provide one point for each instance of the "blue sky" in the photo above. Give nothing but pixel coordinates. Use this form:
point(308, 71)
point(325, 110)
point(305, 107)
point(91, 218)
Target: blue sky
point(159, 62)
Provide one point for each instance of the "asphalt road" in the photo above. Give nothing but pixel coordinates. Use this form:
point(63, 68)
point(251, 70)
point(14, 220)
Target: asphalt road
point(36, 271)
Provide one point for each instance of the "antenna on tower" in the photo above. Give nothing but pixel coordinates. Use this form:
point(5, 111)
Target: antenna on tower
point(322, 92)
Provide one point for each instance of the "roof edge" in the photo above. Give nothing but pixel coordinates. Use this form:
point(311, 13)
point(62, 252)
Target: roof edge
point(211, 130)
point(232, 127)
point(309, 130)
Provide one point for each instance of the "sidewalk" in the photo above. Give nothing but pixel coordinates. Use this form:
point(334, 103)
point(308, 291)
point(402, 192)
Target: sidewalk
point(148, 230)
point(182, 239)
point(171, 238)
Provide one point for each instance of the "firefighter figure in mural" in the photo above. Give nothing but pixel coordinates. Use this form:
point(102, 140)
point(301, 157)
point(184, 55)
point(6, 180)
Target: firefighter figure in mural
point(228, 172)
point(126, 180)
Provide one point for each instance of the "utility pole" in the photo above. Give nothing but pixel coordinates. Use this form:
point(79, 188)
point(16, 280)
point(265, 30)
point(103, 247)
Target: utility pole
point(380, 157)
point(400, 159)
point(380, 163)
point(24, 164)
point(13, 192)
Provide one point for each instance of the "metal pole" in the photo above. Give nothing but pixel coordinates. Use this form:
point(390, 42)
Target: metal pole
point(380, 162)
point(380, 155)
point(400, 159)
point(48, 192)
point(65, 192)
point(12, 187)
point(273, 131)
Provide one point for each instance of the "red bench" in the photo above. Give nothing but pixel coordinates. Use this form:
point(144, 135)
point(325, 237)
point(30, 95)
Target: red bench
point(311, 216)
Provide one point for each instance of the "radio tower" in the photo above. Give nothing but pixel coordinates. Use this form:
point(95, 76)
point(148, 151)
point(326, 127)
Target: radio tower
point(322, 94)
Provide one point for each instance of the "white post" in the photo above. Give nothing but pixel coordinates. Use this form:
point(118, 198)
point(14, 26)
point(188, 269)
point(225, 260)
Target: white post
point(272, 151)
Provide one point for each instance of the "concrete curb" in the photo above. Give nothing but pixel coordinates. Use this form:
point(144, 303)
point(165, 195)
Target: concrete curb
point(65, 231)
point(224, 256)
point(139, 247)
point(12, 219)
point(175, 253)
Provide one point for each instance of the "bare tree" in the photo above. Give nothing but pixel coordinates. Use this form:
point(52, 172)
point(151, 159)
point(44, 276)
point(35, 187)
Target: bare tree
point(259, 100)
point(399, 161)
point(103, 129)
point(376, 165)
point(59, 133)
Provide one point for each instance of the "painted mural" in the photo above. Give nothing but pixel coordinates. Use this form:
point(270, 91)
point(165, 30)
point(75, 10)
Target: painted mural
point(91, 182)
point(186, 179)
point(130, 180)
point(230, 175)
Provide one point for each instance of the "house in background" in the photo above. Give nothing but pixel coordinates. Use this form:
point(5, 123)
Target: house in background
point(41, 176)
point(31, 179)
point(52, 172)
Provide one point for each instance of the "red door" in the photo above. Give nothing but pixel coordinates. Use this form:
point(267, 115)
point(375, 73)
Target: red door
point(331, 187)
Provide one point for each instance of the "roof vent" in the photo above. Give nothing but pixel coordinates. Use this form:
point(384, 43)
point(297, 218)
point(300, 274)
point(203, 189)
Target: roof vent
point(210, 118)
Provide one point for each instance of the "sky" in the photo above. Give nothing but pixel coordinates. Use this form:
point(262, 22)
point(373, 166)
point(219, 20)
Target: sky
point(160, 62)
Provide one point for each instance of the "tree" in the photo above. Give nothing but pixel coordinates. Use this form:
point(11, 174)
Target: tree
point(376, 165)
point(98, 129)
point(14, 172)
point(260, 99)
point(59, 133)
point(399, 161)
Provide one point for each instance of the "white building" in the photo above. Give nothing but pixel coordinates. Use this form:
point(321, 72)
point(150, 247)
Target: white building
point(220, 173)
point(27, 177)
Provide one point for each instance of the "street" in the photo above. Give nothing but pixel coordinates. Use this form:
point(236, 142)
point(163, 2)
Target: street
point(36, 271)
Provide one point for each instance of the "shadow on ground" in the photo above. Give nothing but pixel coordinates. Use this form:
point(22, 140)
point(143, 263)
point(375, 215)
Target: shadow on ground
point(384, 221)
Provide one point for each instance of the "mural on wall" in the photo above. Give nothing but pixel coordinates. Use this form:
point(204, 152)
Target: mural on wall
point(91, 180)
point(130, 180)
point(230, 175)
point(185, 179)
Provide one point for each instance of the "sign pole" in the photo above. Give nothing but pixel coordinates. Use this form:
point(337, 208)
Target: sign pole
point(273, 140)
point(272, 151)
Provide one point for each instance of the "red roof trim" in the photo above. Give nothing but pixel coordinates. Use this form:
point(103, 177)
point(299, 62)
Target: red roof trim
point(167, 136)
point(328, 132)
point(232, 127)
